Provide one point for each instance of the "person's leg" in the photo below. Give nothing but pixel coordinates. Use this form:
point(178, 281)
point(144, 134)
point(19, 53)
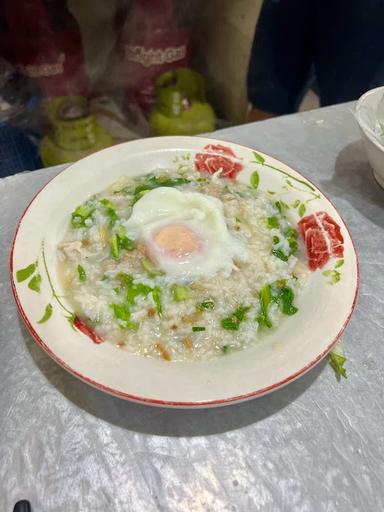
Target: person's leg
point(281, 56)
point(349, 48)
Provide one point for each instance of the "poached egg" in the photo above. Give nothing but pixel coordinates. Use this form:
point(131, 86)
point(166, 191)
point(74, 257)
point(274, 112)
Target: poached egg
point(185, 233)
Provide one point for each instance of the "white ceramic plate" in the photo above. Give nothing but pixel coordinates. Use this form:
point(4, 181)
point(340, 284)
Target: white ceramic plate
point(297, 345)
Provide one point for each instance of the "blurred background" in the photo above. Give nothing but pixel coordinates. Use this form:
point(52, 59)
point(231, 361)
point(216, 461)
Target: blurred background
point(78, 75)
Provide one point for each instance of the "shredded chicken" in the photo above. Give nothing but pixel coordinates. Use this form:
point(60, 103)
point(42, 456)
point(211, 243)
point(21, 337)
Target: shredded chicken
point(72, 249)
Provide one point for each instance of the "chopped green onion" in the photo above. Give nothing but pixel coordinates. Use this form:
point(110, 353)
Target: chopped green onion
point(275, 240)
point(334, 276)
point(286, 297)
point(240, 312)
point(198, 328)
point(179, 292)
point(229, 324)
point(206, 305)
point(265, 299)
point(24, 273)
point(339, 263)
point(225, 349)
point(336, 362)
point(115, 246)
point(121, 311)
point(232, 323)
point(120, 241)
point(337, 359)
point(150, 268)
point(82, 274)
point(132, 290)
point(293, 246)
point(110, 211)
point(107, 204)
point(135, 290)
point(155, 182)
point(273, 222)
point(125, 279)
point(143, 289)
point(291, 233)
point(165, 181)
point(279, 254)
point(123, 315)
point(126, 243)
point(156, 294)
point(280, 294)
point(292, 236)
point(81, 214)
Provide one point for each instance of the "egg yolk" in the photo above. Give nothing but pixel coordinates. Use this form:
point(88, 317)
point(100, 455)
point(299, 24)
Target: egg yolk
point(177, 240)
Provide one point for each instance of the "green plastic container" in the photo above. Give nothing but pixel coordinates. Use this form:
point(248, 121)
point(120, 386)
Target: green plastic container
point(181, 107)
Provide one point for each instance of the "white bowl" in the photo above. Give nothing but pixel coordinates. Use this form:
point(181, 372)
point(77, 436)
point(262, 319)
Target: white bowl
point(366, 116)
point(292, 349)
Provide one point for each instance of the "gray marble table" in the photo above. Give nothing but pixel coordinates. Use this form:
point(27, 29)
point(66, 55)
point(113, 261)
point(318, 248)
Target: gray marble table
point(316, 445)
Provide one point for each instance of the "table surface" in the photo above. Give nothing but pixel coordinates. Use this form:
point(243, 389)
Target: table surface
point(315, 445)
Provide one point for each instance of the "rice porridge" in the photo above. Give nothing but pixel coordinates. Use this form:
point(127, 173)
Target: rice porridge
point(180, 265)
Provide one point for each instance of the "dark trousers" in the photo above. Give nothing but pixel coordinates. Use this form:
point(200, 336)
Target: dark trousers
point(339, 42)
